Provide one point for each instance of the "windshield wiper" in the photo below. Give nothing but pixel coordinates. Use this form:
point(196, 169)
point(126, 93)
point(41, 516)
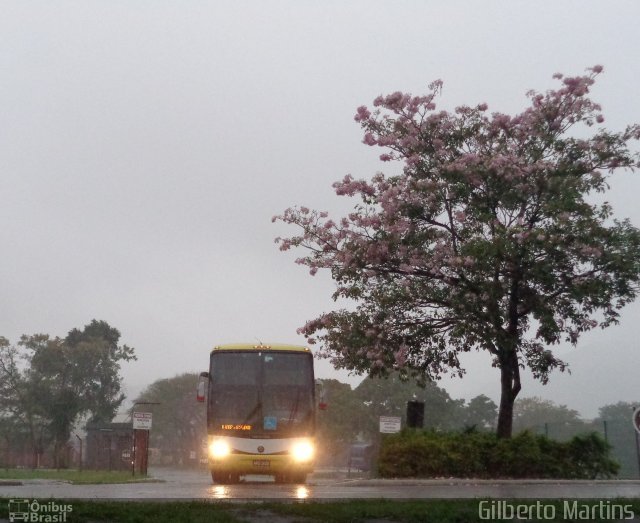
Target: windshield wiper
point(294, 409)
point(255, 410)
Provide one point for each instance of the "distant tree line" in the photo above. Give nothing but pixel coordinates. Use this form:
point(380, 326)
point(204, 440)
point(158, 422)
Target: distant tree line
point(48, 384)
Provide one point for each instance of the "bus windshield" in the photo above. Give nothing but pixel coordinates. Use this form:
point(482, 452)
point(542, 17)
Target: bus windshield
point(265, 393)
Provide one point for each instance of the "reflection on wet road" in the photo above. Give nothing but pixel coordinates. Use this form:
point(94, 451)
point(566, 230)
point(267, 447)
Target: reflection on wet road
point(194, 485)
point(249, 490)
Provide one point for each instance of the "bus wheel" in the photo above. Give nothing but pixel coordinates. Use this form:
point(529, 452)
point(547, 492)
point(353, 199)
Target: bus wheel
point(281, 478)
point(220, 477)
point(298, 477)
point(234, 477)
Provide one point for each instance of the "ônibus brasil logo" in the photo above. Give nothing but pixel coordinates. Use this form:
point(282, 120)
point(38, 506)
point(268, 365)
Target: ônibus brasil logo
point(33, 510)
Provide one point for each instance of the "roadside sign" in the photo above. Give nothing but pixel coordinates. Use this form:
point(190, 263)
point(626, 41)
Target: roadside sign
point(389, 424)
point(636, 419)
point(142, 420)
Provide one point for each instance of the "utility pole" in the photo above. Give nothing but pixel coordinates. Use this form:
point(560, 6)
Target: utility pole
point(635, 418)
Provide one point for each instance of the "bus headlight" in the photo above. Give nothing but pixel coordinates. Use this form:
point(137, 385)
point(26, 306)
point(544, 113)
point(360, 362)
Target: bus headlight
point(302, 451)
point(219, 449)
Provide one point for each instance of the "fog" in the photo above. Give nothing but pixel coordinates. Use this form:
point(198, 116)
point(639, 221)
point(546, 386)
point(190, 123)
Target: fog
point(145, 146)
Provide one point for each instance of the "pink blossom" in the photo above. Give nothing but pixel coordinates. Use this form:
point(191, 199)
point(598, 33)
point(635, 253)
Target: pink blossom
point(362, 114)
point(401, 356)
point(502, 179)
point(588, 250)
point(369, 139)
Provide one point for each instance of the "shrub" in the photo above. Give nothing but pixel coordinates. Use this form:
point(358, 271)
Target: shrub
point(481, 455)
point(589, 454)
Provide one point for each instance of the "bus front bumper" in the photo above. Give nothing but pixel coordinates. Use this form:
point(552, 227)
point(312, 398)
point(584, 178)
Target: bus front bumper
point(273, 457)
point(260, 464)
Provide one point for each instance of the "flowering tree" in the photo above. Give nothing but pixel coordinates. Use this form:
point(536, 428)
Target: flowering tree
point(488, 240)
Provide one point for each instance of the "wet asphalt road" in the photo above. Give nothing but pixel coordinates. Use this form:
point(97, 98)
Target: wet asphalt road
point(196, 485)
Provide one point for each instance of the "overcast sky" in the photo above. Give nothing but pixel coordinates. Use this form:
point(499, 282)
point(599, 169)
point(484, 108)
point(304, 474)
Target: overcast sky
point(145, 146)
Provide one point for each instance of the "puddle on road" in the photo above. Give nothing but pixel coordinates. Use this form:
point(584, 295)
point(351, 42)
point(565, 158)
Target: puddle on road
point(220, 492)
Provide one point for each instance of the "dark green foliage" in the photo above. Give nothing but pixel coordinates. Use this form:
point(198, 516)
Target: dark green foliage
point(484, 455)
point(58, 382)
point(481, 413)
point(589, 454)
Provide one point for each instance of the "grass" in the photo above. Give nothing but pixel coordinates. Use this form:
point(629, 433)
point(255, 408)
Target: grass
point(74, 476)
point(437, 511)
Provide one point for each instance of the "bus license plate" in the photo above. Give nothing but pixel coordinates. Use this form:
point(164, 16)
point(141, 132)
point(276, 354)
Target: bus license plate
point(261, 463)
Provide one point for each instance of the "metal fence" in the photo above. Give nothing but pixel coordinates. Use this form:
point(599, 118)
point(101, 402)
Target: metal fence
point(22, 456)
point(620, 434)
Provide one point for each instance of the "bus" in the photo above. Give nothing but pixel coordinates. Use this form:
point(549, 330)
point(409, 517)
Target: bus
point(261, 412)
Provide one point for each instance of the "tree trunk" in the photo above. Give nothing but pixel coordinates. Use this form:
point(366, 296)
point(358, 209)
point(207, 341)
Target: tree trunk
point(509, 364)
point(510, 387)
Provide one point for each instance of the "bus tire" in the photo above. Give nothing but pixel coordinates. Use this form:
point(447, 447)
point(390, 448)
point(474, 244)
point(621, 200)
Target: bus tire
point(234, 478)
point(220, 477)
point(281, 477)
point(298, 477)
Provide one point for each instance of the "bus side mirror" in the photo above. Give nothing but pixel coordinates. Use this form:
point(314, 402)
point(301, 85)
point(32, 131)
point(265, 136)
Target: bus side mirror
point(322, 404)
point(202, 387)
